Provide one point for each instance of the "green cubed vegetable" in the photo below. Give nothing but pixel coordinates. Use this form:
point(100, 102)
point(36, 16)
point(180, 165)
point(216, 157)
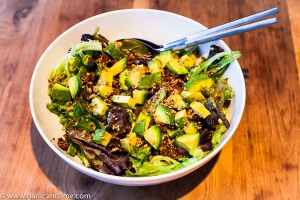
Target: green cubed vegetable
point(98, 106)
point(164, 115)
point(61, 92)
point(128, 143)
point(125, 101)
point(142, 123)
point(181, 119)
point(139, 96)
point(188, 141)
point(74, 86)
point(199, 109)
point(102, 137)
point(175, 67)
point(153, 136)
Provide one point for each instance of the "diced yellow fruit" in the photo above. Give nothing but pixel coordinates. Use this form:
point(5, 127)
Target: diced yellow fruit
point(202, 85)
point(139, 96)
point(192, 96)
point(102, 137)
point(187, 61)
point(146, 117)
point(128, 143)
point(118, 67)
point(199, 109)
point(193, 57)
point(106, 78)
point(104, 91)
point(176, 101)
point(190, 128)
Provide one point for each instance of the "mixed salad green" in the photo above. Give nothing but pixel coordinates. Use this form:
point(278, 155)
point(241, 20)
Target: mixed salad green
point(128, 112)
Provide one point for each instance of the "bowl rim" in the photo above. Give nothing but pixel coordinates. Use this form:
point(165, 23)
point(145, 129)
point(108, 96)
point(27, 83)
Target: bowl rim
point(121, 180)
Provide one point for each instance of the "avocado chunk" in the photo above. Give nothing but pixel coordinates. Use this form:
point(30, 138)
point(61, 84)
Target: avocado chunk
point(187, 141)
point(174, 133)
point(165, 57)
point(176, 68)
point(125, 101)
point(118, 67)
point(74, 87)
point(122, 77)
point(128, 143)
point(181, 119)
point(192, 96)
point(142, 123)
point(186, 61)
point(199, 109)
point(199, 83)
point(105, 91)
point(106, 78)
point(153, 136)
point(139, 127)
point(102, 137)
point(61, 92)
point(164, 115)
point(190, 128)
point(114, 51)
point(176, 101)
point(139, 96)
point(134, 76)
point(98, 106)
point(194, 57)
point(154, 66)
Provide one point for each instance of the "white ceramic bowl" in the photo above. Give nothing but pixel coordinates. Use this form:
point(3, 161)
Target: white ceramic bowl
point(153, 25)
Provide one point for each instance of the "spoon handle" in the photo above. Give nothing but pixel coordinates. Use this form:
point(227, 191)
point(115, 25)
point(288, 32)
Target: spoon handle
point(225, 33)
point(224, 30)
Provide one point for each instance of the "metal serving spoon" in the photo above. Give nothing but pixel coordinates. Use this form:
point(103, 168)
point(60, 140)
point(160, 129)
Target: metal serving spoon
point(208, 35)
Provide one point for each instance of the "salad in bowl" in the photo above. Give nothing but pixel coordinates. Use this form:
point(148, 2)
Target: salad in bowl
point(128, 112)
point(123, 115)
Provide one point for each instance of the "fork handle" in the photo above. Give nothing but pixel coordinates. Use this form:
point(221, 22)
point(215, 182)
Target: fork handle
point(222, 28)
point(218, 35)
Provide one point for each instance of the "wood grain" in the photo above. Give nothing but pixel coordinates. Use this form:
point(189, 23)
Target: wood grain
point(294, 16)
point(261, 161)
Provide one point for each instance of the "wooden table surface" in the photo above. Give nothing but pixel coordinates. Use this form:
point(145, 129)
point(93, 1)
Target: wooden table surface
point(261, 161)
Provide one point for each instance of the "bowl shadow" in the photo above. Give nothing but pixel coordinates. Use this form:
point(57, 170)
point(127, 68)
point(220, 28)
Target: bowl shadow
point(70, 181)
